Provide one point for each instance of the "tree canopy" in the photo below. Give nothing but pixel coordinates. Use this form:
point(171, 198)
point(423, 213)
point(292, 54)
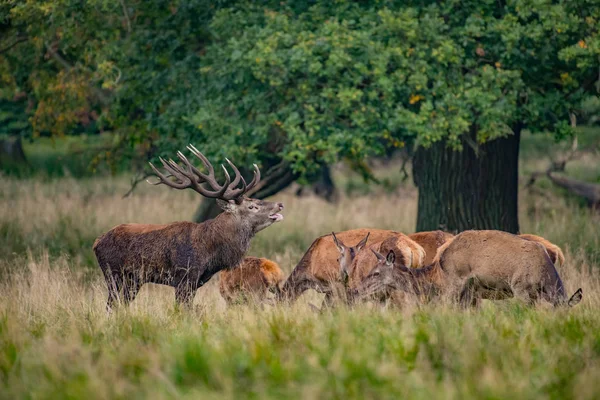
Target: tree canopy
point(299, 84)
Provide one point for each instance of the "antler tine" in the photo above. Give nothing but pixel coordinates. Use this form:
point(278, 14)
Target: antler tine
point(176, 170)
point(223, 193)
point(244, 186)
point(255, 179)
point(188, 176)
point(208, 178)
point(164, 179)
point(197, 153)
point(234, 193)
point(193, 170)
point(236, 180)
point(218, 194)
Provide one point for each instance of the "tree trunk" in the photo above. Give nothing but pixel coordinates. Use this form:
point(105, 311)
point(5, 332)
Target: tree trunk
point(469, 189)
point(11, 152)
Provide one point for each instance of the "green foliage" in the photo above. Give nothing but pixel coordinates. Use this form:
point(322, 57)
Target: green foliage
point(306, 83)
point(346, 80)
point(13, 119)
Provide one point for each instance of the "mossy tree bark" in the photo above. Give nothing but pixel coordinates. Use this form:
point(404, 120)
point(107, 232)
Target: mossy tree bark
point(469, 189)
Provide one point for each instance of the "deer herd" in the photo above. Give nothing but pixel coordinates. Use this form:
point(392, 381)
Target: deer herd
point(350, 266)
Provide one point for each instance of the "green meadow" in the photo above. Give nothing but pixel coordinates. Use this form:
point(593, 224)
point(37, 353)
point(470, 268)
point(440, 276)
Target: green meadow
point(57, 341)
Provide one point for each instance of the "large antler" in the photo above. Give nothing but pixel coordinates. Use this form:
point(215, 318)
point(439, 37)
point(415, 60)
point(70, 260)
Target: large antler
point(190, 177)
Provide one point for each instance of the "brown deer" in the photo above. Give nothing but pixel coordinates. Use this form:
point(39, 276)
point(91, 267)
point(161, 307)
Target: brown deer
point(555, 252)
point(319, 266)
point(474, 265)
point(185, 255)
point(409, 253)
point(430, 241)
point(348, 254)
point(252, 279)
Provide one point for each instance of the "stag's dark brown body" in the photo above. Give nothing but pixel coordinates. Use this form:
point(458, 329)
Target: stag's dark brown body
point(184, 255)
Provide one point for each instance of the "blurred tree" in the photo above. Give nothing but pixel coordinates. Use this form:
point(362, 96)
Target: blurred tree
point(297, 86)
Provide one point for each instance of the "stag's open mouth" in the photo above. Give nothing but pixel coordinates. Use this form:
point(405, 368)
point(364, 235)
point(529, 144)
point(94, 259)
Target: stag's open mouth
point(276, 217)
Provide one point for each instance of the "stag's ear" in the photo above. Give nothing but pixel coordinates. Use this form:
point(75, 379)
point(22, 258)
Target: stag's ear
point(362, 243)
point(391, 258)
point(338, 243)
point(226, 205)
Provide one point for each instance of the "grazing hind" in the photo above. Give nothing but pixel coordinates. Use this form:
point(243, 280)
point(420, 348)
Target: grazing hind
point(475, 265)
point(319, 267)
point(251, 280)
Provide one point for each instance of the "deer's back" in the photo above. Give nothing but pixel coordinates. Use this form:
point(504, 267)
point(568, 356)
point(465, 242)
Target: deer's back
point(555, 252)
point(430, 241)
point(131, 246)
point(253, 276)
point(496, 258)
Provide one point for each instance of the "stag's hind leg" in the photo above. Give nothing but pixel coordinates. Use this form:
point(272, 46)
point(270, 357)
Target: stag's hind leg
point(131, 287)
point(121, 288)
point(114, 285)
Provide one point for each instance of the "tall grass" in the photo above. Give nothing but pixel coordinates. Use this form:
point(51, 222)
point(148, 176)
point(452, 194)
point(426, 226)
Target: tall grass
point(56, 340)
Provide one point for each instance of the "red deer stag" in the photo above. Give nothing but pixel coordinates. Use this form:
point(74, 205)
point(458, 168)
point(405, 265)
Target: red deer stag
point(252, 279)
point(185, 255)
point(475, 265)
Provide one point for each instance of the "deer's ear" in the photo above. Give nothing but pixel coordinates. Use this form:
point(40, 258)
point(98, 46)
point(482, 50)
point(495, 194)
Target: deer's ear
point(391, 258)
point(338, 243)
point(362, 243)
point(377, 254)
point(226, 205)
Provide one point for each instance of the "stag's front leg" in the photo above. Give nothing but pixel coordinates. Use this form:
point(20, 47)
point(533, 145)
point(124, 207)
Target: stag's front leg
point(185, 290)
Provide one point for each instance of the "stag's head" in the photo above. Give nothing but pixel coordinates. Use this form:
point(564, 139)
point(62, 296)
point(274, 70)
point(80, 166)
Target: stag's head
point(384, 278)
point(347, 255)
point(231, 197)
